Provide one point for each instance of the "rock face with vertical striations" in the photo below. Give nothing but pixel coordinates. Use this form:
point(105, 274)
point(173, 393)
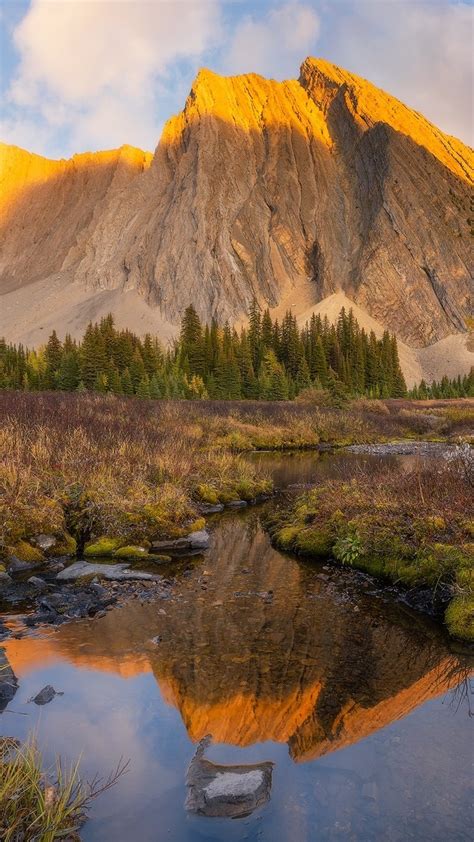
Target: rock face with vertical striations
point(287, 191)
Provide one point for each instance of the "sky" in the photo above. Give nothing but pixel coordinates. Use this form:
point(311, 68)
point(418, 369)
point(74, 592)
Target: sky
point(79, 75)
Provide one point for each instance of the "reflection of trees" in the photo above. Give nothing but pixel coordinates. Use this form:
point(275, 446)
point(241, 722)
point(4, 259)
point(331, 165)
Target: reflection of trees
point(463, 695)
point(297, 665)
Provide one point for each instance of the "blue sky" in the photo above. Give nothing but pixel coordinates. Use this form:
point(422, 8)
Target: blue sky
point(93, 74)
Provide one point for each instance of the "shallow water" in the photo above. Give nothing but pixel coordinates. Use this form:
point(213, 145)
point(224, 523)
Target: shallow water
point(358, 701)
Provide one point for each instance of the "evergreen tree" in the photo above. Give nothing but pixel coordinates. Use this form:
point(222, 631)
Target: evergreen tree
point(191, 341)
point(127, 385)
point(143, 388)
point(53, 354)
point(68, 375)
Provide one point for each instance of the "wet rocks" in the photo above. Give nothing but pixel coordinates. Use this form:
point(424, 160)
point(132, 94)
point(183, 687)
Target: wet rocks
point(50, 545)
point(43, 542)
point(18, 565)
point(38, 583)
point(46, 695)
point(113, 572)
point(61, 606)
point(5, 579)
point(211, 509)
point(8, 681)
point(194, 541)
point(216, 790)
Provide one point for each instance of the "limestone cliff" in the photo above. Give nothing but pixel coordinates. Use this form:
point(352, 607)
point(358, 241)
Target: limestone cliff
point(287, 191)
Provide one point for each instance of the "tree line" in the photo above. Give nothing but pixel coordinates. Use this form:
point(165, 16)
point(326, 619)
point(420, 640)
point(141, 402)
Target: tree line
point(456, 387)
point(266, 360)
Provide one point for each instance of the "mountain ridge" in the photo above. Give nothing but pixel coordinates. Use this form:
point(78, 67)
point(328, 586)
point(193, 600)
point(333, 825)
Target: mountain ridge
point(283, 191)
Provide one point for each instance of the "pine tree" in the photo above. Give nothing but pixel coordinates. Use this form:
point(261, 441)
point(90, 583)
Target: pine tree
point(156, 388)
point(143, 388)
point(68, 375)
point(53, 354)
point(115, 381)
point(137, 370)
point(191, 341)
point(127, 385)
point(254, 334)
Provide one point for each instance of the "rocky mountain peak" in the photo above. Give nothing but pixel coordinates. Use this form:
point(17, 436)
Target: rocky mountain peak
point(290, 192)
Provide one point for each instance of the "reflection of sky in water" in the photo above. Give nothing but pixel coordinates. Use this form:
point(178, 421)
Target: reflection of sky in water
point(409, 777)
point(320, 665)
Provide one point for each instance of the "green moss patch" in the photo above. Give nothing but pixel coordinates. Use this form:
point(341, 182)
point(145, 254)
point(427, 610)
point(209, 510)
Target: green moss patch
point(459, 617)
point(25, 552)
point(102, 547)
point(207, 494)
point(131, 552)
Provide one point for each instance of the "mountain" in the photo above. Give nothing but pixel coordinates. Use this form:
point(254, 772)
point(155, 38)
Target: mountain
point(293, 192)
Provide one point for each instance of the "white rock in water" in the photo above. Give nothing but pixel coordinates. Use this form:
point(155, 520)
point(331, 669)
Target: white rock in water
point(235, 784)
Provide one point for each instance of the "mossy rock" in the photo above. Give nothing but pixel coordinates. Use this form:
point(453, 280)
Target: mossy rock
point(207, 494)
point(285, 538)
point(66, 545)
point(459, 617)
point(226, 496)
point(3, 569)
point(246, 489)
point(25, 552)
point(102, 547)
point(195, 526)
point(131, 551)
point(317, 541)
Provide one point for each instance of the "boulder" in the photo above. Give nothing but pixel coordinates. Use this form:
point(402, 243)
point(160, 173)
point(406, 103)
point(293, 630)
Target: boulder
point(5, 579)
point(17, 565)
point(44, 542)
point(211, 509)
point(38, 583)
point(194, 541)
point(118, 572)
point(226, 791)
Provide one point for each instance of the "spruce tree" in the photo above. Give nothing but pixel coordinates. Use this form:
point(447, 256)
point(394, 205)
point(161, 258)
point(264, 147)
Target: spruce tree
point(143, 388)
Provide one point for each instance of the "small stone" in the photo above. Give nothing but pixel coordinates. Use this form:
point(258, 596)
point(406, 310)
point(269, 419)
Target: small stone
point(44, 542)
point(45, 695)
point(38, 583)
point(17, 565)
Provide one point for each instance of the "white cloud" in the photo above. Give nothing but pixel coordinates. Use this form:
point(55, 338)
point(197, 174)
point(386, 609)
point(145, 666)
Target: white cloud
point(93, 74)
point(273, 45)
point(91, 66)
point(421, 52)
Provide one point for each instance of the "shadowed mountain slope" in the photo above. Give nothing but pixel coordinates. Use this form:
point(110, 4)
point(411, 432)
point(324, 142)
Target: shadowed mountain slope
point(287, 191)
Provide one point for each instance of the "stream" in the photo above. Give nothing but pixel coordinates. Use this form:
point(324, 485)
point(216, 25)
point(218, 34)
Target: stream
point(360, 703)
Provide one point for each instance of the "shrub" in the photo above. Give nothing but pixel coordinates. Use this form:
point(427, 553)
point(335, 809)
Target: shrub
point(348, 548)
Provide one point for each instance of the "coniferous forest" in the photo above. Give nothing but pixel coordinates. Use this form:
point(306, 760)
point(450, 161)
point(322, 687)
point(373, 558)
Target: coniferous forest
point(267, 361)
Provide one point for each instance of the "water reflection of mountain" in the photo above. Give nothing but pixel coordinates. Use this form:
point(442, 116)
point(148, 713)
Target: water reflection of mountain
point(254, 647)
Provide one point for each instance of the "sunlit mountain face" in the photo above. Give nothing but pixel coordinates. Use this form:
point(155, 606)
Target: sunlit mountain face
point(289, 192)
